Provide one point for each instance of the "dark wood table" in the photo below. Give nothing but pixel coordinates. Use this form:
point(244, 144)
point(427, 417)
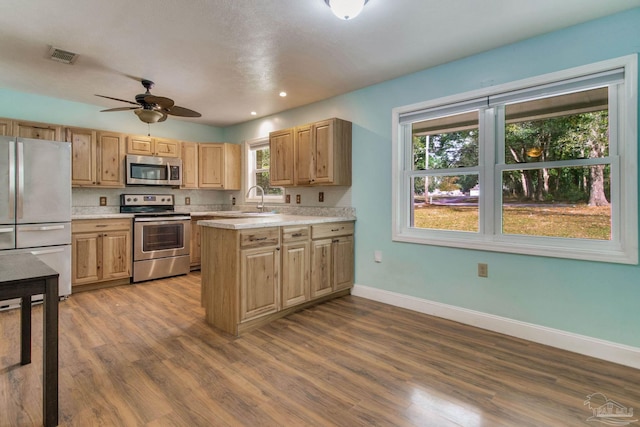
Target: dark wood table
point(21, 276)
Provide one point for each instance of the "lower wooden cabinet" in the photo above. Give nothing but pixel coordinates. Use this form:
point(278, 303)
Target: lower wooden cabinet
point(252, 276)
point(332, 258)
point(101, 251)
point(259, 281)
point(295, 265)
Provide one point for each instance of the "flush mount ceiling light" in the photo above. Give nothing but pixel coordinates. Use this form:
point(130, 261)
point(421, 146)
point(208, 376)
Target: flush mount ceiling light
point(346, 9)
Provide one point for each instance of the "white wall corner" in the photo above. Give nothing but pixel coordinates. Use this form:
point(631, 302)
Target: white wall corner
point(594, 347)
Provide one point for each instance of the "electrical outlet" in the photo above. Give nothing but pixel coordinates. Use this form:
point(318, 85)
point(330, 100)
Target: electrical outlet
point(287, 198)
point(321, 196)
point(297, 198)
point(483, 270)
point(187, 200)
point(103, 201)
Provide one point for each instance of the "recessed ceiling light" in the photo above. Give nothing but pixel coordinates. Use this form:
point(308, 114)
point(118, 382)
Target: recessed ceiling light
point(253, 113)
point(283, 94)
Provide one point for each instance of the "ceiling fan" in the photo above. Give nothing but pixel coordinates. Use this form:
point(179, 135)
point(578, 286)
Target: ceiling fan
point(150, 108)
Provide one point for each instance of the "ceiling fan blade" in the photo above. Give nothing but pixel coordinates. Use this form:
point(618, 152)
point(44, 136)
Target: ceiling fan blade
point(159, 100)
point(181, 111)
point(118, 99)
point(119, 109)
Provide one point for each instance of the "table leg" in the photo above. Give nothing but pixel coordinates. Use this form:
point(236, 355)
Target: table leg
point(50, 353)
point(25, 330)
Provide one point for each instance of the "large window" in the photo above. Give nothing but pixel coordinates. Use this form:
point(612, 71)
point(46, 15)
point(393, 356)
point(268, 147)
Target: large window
point(546, 166)
point(258, 161)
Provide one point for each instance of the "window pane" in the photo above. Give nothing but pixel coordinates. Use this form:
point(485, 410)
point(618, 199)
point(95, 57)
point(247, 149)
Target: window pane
point(262, 179)
point(565, 127)
point(572, 202)
point(445, 202)
point(446, 142)
point(262, 158)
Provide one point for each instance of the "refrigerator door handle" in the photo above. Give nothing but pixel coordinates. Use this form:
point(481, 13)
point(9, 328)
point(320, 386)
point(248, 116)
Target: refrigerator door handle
point(42, 228)
point(47, 251)
point(20, 166)
point(12, 179)
point(6, 230)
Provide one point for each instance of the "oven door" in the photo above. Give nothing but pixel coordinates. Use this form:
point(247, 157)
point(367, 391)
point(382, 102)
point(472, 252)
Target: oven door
point(155, 238)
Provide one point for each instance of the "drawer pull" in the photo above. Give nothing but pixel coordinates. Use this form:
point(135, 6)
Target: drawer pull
point(335, 229)
point(296, 235)
point(257, 239)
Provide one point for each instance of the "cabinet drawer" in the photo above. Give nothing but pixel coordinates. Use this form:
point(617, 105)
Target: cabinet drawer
point(97, 225)
point(259, 238)
point(294, 234)
point(331, 229)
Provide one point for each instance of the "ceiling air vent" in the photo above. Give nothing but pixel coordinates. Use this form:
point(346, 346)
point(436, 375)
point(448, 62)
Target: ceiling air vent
point(62, 55)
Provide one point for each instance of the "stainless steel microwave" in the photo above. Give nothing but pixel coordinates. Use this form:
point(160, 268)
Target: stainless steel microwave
point(148, 170)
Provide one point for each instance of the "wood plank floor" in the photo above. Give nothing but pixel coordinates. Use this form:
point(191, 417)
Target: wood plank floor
point(142, 355)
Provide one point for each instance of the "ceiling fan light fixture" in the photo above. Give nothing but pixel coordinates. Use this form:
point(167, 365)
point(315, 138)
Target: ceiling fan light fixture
point(346, 9)
point(148, 116)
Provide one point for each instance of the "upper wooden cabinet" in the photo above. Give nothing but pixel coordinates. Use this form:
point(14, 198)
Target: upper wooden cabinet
point(35, 130)
point(219, 166)
point(97, 158)
point(147, 146)
point(313, 154)
point(189, 164)
point(5, 127)
point(281, 149)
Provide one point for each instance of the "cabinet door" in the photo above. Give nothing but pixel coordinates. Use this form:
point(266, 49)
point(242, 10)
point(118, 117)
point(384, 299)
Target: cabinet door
point(210, 157)
point(110, 159)
point(281, 149)
point(342, 263)
point(37, 131)
point(189, 165)
point(321, 267)
point(259, 282)
point(166, 147)
point(83, 155)
point(295, 273)
point(304, 148)
point(116, 255)
point(5, 127)
point(85, 258)
point(322, 152)
point(140, 145)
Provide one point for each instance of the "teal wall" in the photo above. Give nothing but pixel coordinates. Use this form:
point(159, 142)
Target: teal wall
point(594, 299)
point(24, 106)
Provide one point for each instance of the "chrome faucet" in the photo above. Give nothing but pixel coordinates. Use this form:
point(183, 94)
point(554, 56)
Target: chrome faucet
point(261, 204)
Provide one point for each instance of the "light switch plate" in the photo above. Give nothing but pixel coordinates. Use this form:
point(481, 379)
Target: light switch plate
point(103, 201)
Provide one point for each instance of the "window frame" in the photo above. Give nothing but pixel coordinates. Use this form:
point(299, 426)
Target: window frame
point(250, 147)
point(623, 246)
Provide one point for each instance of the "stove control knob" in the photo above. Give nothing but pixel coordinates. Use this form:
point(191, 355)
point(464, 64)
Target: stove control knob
point(128, 199)
point(135, 199)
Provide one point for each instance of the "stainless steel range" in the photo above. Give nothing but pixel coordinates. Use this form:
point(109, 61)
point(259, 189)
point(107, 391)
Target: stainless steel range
point(161, 237)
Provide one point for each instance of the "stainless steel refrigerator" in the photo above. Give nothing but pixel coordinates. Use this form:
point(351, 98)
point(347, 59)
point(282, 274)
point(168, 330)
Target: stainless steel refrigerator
point(35, 203)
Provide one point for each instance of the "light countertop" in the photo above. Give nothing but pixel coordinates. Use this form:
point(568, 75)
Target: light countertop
point(101, 216)
point(277, 220)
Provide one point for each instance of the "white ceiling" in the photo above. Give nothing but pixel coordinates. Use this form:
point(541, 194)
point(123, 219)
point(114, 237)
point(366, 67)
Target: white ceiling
point(226, 58)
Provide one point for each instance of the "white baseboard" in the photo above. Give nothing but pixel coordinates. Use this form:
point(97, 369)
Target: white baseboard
point(601, 349)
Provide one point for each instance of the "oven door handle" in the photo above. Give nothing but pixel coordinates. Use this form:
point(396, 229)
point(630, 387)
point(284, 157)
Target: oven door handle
point(163, 219)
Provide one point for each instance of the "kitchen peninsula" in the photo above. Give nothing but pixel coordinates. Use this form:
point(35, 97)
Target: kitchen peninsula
point(259, 268)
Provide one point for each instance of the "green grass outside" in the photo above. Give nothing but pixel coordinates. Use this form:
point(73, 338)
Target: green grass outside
point(580, 221)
